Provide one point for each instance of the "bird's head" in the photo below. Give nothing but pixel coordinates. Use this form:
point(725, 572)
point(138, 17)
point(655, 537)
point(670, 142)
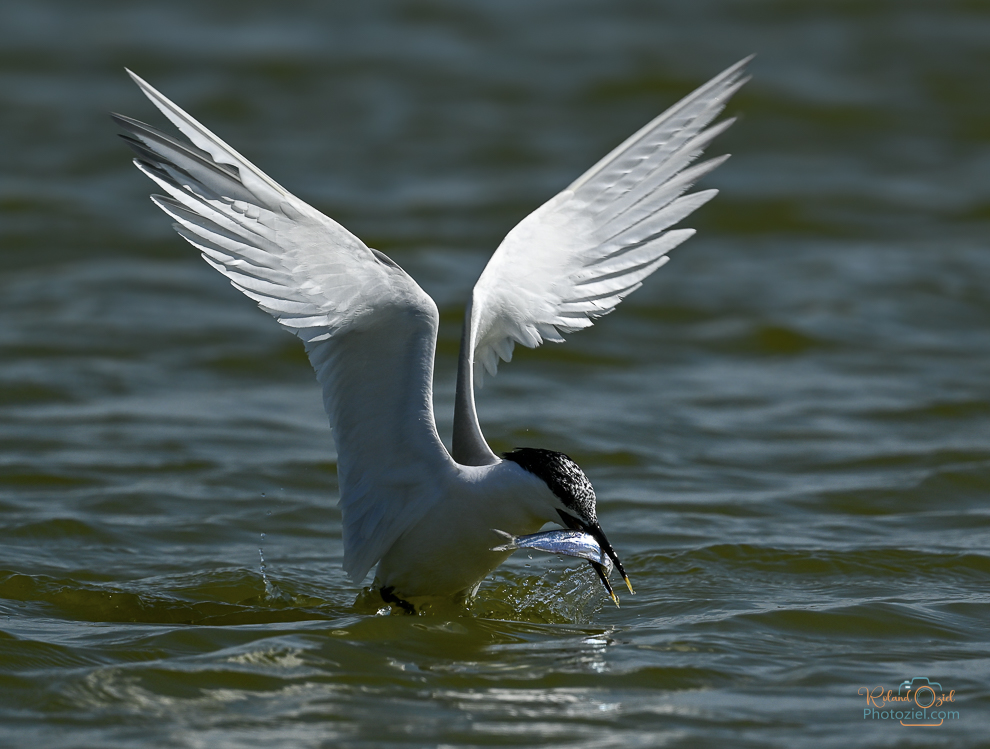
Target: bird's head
point(573, 497)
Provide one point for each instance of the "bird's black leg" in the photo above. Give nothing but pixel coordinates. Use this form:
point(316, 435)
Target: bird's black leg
point(388, 595)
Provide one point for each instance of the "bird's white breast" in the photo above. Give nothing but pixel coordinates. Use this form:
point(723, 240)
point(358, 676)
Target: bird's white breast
point(449, 551)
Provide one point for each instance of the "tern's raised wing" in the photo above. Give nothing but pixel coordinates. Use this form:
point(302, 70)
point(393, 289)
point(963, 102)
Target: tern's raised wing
point(369, 329)
point(579, 254)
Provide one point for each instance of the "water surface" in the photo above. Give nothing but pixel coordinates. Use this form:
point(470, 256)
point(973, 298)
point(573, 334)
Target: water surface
point(786, 427)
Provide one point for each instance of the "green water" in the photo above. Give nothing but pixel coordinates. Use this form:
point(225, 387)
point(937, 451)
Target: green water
point(786, 427)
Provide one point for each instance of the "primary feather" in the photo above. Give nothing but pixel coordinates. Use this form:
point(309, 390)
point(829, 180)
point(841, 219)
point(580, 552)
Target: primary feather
point(579, 254)
point(369, 329)
point(582, 252)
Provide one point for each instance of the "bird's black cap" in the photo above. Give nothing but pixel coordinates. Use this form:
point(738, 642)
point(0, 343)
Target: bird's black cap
point(569, 484)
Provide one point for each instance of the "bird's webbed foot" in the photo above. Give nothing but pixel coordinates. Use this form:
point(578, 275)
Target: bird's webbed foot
point(388, 595)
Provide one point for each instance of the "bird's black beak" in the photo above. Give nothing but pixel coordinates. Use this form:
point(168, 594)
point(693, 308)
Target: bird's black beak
point(595, 530)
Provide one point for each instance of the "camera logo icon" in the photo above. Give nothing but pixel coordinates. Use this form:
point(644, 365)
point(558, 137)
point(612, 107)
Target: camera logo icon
point(924, 690)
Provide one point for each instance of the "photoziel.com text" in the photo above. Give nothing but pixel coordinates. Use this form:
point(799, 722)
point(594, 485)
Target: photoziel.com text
point(916, 703)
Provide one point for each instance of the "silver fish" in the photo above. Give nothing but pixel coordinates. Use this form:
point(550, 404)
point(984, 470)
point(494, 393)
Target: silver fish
point(572, 543)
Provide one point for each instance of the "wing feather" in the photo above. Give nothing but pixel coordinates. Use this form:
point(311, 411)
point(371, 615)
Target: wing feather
point(578, 255)
point(369, 329)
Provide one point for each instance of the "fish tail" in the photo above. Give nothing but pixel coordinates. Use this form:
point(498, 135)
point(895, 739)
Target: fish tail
point(510, 544)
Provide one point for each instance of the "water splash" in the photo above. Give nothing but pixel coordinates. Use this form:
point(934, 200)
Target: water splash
point(272, 591)
point(566, 595)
